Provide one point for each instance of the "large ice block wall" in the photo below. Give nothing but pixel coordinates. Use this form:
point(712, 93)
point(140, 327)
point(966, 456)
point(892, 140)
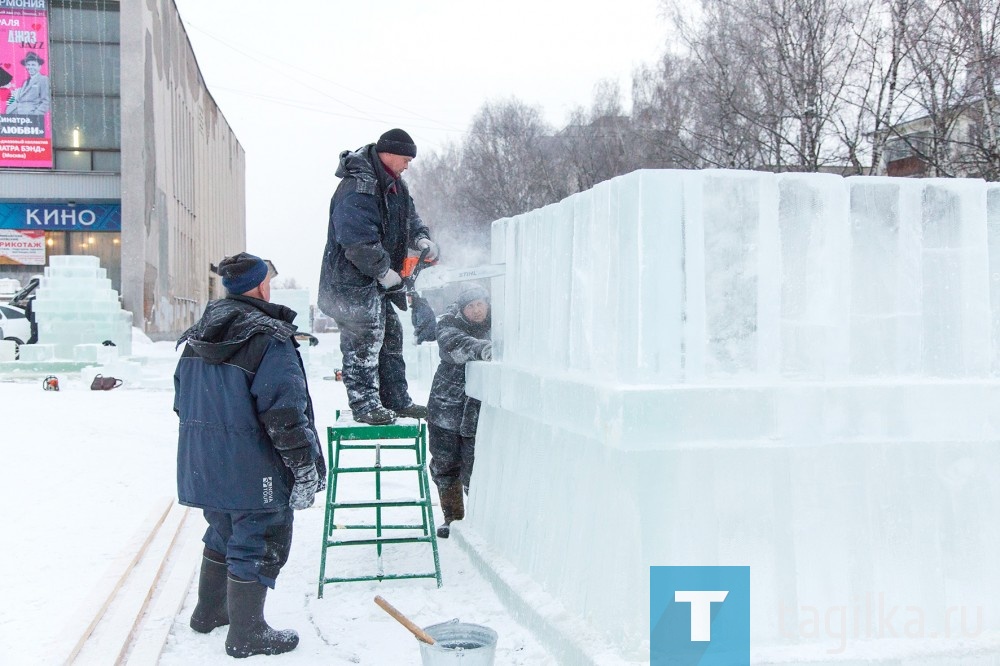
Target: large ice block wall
point(793, 372)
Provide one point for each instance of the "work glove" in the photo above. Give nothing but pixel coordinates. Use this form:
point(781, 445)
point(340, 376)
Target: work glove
point(321, 473)
point(424, 321)
point(304, 489)
point(487, 353)
point(430, 246)
point(390, 279)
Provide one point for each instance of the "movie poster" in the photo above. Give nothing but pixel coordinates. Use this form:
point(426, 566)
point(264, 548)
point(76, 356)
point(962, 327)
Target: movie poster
point(25, 93)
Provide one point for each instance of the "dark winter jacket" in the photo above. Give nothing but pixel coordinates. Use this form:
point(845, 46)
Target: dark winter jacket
point(245, 413)
point(372, 224)
point(459, 341)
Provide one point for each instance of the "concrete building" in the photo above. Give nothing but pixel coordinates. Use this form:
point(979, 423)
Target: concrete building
point(133, 161)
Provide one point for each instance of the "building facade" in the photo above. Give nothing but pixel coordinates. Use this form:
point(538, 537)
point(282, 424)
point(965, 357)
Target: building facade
point(132, 161)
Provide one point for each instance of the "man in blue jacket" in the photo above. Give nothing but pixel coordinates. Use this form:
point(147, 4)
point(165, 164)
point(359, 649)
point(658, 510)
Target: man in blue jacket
point(248, 453)
point(373, 223)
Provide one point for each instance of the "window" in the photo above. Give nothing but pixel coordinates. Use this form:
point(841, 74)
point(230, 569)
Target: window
point(86, 84)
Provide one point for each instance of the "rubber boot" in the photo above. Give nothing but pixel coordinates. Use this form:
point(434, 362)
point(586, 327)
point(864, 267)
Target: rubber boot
point(452, 507)
point(378, 416)
point(211, 611)
point(249, 633)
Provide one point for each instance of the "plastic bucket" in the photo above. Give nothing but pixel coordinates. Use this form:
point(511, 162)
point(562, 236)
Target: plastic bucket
point(459, 643)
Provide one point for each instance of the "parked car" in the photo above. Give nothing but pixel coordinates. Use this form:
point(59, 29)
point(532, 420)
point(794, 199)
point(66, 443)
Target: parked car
point(15, 325)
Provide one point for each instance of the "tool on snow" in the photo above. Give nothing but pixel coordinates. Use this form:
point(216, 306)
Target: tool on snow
point(403, 620)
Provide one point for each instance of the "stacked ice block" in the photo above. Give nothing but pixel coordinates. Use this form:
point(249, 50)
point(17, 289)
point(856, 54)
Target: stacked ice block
point(795, 372)
point(75, 306)
point(297, 300)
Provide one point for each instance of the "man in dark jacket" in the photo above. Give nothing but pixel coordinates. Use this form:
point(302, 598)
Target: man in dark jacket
point(463, 335)
point(248, 453)
point(373, 223)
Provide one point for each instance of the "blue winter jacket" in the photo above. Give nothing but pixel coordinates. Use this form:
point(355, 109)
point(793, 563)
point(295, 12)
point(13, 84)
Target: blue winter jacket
point(245, 412)
point(373, 222)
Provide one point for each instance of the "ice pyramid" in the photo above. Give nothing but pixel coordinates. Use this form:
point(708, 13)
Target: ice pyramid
point(76, 306)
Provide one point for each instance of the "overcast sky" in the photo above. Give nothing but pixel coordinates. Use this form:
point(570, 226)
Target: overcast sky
point(301, 81)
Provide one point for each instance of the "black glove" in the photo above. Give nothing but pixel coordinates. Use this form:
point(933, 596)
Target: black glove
point(424, 321)
point(487, 353)
point(321, 473)
point(304, 490)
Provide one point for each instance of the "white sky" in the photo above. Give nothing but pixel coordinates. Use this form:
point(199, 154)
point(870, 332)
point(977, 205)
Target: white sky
point(300, 85)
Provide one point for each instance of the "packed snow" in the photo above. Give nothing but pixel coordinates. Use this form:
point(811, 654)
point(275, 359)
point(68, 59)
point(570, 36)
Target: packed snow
point(90, 466)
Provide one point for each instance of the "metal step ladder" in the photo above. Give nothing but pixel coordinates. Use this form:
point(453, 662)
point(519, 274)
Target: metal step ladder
point(347, 435)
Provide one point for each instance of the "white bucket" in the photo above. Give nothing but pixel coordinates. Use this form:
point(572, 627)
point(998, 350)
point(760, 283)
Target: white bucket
point(459, 643)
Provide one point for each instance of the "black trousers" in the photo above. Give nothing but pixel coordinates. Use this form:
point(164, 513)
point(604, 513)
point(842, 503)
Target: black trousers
point(452, 457)
point(255, 545)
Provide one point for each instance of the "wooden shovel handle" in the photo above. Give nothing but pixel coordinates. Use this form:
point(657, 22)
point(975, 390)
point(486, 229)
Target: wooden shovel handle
point(405, 621)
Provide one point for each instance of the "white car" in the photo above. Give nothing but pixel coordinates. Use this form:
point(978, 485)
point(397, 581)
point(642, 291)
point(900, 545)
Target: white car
point(14, 325)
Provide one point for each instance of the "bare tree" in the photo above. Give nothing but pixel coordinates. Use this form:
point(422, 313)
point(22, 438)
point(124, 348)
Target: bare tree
point(440, 189)
point(662, 111)
point(598, 143)
point(505, 154)
point(977, 24)
point(935, 59)
point(873, 82)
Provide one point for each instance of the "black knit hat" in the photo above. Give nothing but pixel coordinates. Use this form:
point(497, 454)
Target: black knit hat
point(397, 142)
point(242, 272)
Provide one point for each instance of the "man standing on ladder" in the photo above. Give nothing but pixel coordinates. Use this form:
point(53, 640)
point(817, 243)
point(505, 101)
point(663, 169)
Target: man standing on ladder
point(373, 222)
point(248, 453)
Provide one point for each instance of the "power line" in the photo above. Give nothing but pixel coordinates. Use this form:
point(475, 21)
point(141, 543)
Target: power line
point(297, 67)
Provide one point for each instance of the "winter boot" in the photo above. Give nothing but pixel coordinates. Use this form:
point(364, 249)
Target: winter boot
point(249, 633)
point(452, 507)
point(413, 411)
point(378, 416)
point(211, 611)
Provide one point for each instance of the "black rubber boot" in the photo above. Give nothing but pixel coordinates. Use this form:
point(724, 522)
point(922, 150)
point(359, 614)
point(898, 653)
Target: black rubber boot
point(377, 416)
point(413, 411)
point(211, 611)
point(249, 633)
point(452, 507)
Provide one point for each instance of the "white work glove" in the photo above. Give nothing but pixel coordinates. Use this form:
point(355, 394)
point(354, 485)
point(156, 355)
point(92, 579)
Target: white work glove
point(430, 246)
point(487, 353)
point(390, 279)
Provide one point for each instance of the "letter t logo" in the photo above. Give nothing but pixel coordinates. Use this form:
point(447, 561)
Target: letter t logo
point(701, 611)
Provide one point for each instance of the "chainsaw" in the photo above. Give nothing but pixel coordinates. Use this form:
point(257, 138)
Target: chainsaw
point(438, 277)
point(421, 275)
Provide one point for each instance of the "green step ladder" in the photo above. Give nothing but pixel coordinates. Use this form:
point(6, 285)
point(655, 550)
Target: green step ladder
point(347, 435)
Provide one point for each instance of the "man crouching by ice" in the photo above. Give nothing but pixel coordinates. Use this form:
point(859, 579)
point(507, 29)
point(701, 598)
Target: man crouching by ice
point(248, 451)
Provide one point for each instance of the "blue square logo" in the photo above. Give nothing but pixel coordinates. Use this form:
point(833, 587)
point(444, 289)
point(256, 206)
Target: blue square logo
point(699, 616)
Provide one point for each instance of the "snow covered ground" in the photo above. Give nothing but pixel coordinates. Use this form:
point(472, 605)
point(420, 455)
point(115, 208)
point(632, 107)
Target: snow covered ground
point(86, 469)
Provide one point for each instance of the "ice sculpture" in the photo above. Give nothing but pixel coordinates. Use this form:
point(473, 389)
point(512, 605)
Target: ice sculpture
point(76, 305)
point(794, 372)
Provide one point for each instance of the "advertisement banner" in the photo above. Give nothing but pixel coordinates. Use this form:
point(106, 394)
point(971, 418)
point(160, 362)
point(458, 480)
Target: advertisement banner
point(22, 248)
point(25, 94)
point(61, 217)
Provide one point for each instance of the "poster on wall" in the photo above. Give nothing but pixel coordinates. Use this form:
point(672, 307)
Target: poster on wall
point(25, 94)
point(22, 248)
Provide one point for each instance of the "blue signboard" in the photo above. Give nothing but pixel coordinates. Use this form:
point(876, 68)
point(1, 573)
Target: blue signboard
point(61, 217)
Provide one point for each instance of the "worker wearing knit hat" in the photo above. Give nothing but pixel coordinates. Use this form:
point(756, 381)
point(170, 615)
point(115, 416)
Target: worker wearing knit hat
point(373, 226)
point(397, 142)
point(245, 413)
point(242, 272)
